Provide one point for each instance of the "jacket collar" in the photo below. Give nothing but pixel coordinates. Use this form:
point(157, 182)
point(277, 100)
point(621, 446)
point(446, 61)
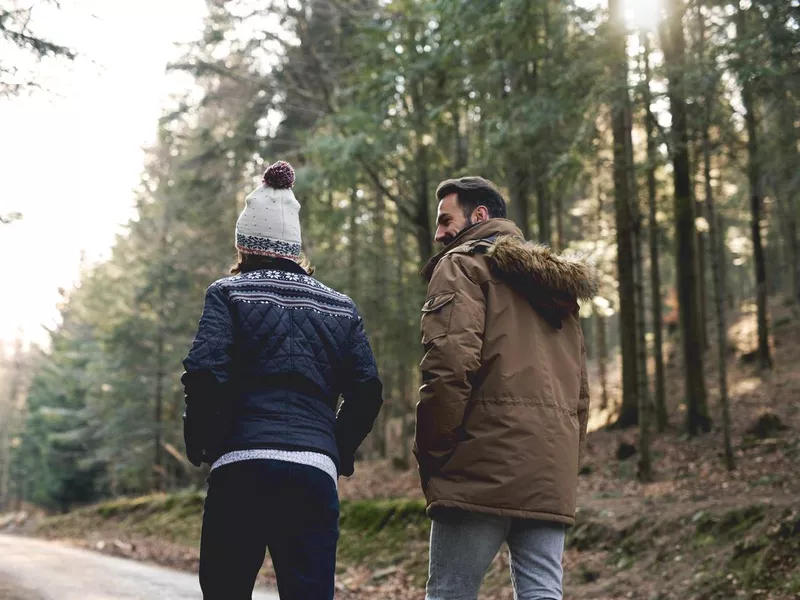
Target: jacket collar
point(279, 264)
point(479, 231)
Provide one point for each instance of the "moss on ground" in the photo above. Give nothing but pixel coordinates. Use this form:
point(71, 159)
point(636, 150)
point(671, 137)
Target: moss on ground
point(754, 548)
point(385, 533)
point(172, 517)
point(377, 533)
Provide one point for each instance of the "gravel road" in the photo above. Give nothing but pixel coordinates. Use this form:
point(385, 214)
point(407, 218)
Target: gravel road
point(32, 569)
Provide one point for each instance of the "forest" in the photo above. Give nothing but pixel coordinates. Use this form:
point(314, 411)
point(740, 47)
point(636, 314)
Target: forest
point(660, 139)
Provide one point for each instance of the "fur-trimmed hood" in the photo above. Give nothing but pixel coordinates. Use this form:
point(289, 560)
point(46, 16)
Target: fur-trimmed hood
point(552, 282)
point(516, 259)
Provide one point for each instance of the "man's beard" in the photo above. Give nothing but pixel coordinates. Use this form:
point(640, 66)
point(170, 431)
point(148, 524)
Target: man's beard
point(451, 238)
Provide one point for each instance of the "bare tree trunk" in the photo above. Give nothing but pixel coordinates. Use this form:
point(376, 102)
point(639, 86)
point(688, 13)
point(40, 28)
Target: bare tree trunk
point(629, 413)
point(702, 300)
point(462, 143)
point(8, 406)
point(519, 191)
point(602, 358)
point(722, 334)
point(12, 415)
point(786, 192)
point(789, 135)
point(644, 466)
point(158, 448)
point(159, 471)
point(381, 284)
point(353, 246)
point(401, 409)
point(422, 219)
point(716, 259)
point(655, 268)
point(406, 416)
point(794, 259)
point(716, 253)
point(695, 165)
point(560, 242)
point(543, 211)
point(697, 417)
point(600, 316)
point(354, 289)
point(754, 175)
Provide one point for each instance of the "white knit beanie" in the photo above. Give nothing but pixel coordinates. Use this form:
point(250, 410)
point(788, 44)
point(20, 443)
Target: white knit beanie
point(270, 222)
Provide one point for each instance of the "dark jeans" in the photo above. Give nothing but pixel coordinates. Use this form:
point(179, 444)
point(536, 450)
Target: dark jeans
point(291, 509)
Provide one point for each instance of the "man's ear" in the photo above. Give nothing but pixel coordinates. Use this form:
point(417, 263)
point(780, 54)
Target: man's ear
point(481, 214)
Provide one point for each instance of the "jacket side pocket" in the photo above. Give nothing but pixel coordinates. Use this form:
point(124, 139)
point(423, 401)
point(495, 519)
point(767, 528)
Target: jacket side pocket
point(436, 314)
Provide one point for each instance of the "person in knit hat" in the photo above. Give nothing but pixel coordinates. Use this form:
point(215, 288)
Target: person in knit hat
point(270, 222)
point(274, 351)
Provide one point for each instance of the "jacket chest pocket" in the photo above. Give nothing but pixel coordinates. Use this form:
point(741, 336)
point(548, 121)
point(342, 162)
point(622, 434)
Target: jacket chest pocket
point(436, 316)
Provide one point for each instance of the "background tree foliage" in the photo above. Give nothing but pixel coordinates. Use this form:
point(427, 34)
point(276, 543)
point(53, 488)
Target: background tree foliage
point(20, 47)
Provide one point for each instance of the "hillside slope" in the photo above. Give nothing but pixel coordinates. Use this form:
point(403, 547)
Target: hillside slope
point(696, 532)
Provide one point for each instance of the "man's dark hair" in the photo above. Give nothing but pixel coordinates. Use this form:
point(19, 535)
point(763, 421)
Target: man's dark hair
point(473, 192)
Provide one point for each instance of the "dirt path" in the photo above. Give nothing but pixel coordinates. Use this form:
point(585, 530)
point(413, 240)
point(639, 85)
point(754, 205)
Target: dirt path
point(39, 570)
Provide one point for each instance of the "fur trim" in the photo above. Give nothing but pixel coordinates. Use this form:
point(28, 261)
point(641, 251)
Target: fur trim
point(570, 273)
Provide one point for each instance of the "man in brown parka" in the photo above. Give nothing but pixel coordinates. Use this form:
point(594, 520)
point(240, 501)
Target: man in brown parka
point(504, 400)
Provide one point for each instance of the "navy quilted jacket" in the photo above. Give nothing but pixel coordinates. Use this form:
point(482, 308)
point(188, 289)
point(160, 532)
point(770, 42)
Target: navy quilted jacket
point(274, 351)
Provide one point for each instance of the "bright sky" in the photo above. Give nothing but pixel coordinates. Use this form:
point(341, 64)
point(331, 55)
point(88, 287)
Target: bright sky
point(71, 156)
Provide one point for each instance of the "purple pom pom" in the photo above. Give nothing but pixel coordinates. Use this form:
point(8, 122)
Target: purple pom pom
point(279, 176)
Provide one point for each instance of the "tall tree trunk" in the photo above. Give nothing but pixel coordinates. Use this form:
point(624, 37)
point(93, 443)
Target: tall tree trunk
point(794, 257)
point(560, 242)
point(354, 280)
point(400, 408)
point(380, 283)
point(8, 408)
point(644, 472)
point(697, 417)
point(754, 175)
point(158, 442)
point(716, 259)
point(702, 301)
point(695, 124)
point(600, 316)
point(644, 466)
point(602, 357)
point(620, 108)
point(695, 166)
point(406, 416)
point(159, 470)
point(461, 141)
point(353, 247)
point(422, 210)
point(789, 134)
point(519, 191)
point(716, 250)
point(543, 210)
point(655, 257)
point(718, 266)
point(786, 192)
point(422, 224)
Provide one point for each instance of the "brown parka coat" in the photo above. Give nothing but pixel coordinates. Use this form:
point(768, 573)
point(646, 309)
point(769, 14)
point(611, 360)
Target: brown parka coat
point(504, 400)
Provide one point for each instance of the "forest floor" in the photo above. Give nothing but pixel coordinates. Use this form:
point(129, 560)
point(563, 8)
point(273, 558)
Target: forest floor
point(696, 532)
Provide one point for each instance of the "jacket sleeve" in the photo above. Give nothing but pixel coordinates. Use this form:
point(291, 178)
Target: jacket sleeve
point(583, 402)
point(206, 380)
point(362, 397)
point(212, 347)
point(452, 325)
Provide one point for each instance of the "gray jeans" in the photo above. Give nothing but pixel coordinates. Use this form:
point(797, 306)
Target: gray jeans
point(463, 545)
